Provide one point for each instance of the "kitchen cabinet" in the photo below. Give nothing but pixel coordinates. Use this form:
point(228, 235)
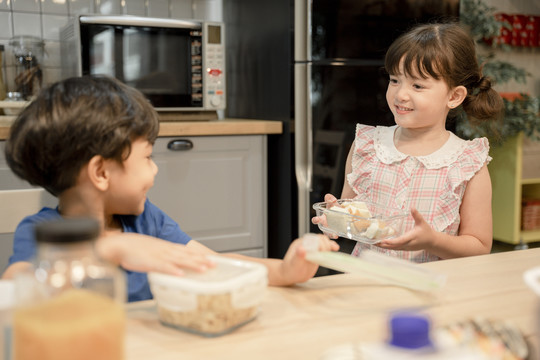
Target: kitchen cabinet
point(513, 178)
point(17, 200)
point(215, 188)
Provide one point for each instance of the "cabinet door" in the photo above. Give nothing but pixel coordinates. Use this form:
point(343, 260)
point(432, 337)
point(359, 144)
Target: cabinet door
point(216, 190)
point(18, 199)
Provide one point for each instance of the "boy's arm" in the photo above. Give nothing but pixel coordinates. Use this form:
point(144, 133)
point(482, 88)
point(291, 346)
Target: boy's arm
point(14, 268)
point(294, 268)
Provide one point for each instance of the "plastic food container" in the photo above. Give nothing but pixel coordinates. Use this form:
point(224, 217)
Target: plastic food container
point(361, 221)
point(212, 303)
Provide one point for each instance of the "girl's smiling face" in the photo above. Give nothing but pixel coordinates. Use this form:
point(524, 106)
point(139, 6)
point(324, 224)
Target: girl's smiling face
point(131, 180)
point(418, 102)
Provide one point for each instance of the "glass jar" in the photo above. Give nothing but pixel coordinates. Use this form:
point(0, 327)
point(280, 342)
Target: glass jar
point(69, 304)
point(28, 52)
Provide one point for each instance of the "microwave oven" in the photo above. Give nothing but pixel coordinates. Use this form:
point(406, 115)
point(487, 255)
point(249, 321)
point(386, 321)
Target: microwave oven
point(179, 65)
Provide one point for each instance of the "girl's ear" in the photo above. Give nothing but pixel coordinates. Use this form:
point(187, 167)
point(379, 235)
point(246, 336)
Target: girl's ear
point(457, 96)
point(98, 173)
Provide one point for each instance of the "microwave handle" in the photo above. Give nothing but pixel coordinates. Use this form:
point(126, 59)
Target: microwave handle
point(180, 145)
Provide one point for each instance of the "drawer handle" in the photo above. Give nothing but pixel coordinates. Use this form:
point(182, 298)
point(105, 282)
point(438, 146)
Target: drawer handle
point(180, 145)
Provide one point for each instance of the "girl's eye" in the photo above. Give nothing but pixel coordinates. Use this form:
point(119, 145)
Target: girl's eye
point(418, 86)
point(393, 81)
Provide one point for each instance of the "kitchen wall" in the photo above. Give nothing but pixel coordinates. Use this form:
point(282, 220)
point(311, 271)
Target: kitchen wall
point(44, 18)
point(521, 57)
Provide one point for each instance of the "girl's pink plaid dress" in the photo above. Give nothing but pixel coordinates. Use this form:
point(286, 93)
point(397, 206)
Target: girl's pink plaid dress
point(433, 184)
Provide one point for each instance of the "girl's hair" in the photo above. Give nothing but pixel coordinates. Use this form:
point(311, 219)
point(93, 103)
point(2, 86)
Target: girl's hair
point(446, 51)
point(70, 122)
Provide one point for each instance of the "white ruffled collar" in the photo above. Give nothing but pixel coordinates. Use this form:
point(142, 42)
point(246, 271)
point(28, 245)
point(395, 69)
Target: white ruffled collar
point(388, 153)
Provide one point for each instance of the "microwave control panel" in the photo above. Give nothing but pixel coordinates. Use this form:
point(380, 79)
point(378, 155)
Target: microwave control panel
point(214, 96)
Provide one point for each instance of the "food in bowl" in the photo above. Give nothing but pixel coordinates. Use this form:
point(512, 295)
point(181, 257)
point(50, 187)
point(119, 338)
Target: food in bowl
point(212, 303)
point(361, 221)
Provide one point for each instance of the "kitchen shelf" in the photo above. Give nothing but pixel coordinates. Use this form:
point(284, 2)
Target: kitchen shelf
point(509, 188)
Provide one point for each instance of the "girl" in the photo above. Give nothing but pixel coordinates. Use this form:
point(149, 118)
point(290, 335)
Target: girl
point(419, 165)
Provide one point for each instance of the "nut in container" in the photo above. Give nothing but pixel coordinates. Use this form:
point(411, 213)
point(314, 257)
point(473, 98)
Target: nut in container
point(361, 221)
point(212, 303)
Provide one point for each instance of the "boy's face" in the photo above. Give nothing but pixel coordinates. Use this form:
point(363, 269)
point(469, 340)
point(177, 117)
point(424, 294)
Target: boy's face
point(131, 181)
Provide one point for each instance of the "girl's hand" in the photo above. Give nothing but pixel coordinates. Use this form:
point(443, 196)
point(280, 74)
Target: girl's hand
point(295, 268)
point(143, 253)
point(419, 238)
point(330, 201)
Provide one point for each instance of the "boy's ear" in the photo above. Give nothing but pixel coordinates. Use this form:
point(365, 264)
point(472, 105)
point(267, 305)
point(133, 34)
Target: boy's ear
point(98, 173)
point(458, 95)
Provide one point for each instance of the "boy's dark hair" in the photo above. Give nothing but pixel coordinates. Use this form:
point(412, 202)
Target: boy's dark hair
point(70, 122)
point(446, 51)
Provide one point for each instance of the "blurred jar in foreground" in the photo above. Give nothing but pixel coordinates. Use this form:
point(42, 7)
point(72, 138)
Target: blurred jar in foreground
point(69, 305)
point(28, 52)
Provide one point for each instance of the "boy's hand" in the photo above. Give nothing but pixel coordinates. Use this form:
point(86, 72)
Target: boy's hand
point(330, 201)
point(295, 268)
point(143, 253)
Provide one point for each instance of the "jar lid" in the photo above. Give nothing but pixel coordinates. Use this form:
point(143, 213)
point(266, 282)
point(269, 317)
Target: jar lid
point(26, 40)
point(67, 230)
point(410, 331)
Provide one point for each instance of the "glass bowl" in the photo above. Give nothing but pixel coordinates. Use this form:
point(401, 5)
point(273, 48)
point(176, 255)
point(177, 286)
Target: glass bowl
point(361, 221)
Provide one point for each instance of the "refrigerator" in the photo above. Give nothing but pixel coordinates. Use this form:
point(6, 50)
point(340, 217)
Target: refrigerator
point(317, 66)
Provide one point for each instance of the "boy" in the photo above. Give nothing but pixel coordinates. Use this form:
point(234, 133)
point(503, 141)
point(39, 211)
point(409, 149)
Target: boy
point(88, 141)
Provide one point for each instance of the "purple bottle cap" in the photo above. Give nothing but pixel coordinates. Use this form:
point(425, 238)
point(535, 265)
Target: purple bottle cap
point(410, 331)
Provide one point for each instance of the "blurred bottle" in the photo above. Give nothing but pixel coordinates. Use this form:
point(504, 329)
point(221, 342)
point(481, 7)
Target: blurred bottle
point(411, 338)
point(69, 305)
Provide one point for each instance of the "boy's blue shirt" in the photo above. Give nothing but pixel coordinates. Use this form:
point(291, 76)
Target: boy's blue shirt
point(152, 221)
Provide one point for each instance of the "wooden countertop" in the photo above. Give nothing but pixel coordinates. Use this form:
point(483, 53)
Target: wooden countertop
point(196, 128)
point(303, 321)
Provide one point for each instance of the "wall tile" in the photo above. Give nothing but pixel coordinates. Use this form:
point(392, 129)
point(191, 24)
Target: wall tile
point(51, 75)
point(181, 9)
point(134, 7)
point(27, 24)
point(52, 54)
point(210, 10)
point(54, 6)
point(52, 25)
point(25, 5)
point(6, 25)
point(108, 7)
point(158, 8)
point(4, 4)
point(81, 7)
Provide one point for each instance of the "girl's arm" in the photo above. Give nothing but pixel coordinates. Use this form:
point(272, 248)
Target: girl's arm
point(348, 192)
point(475, 235)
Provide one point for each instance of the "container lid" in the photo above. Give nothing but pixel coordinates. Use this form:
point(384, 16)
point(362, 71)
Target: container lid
point(228, 274)
point(67, 230)
point(410, 331)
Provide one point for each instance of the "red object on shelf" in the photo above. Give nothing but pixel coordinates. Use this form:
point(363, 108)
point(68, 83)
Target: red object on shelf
point(533, 30)
point(520, 36)
point(506, 35)
point(511, 96)
point(530, 214)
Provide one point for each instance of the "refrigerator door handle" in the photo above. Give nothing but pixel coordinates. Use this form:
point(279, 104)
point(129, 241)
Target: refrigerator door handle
point(303, 143)
point(303, 117)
